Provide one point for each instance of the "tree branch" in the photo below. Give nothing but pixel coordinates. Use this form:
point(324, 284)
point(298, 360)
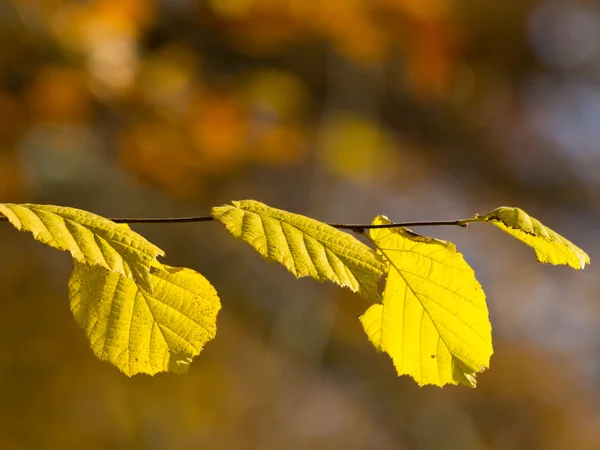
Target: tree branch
point(352, 227)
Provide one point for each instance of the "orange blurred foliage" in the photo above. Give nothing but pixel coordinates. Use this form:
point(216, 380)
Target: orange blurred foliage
point(59, 94)
point(218, 123)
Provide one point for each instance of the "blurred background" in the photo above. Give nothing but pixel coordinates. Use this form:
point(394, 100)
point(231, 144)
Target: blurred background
point(337, 109)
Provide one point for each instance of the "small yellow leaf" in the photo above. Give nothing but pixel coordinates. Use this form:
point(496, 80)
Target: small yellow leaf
point(140, 332)
point(549, 246)
point(304, 246)
point(433, 321)
point(91, 239)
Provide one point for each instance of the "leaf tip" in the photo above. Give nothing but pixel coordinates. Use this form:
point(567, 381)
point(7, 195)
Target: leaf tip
point(179, 363)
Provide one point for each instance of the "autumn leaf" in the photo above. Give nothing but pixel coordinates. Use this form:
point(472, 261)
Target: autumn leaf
point(304, 246)
point(91, 239)
point(433, 321)
point(142, 332)
point(549, 246)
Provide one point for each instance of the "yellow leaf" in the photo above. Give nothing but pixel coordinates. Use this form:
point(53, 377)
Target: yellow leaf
point(91, 239)
point(304, 246)
point(433, 321)
point(140, 332)
point(549, 246)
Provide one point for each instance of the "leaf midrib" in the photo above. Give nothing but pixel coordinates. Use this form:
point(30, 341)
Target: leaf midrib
point(427, 311)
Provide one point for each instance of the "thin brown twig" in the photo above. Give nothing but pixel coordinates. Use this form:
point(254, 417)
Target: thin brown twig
point(351, 227)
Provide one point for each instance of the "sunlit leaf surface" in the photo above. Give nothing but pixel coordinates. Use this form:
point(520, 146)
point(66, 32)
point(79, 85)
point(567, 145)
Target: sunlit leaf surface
point(433, 321)
point(304, 246)
point(91, 239)
point(549, 246)
point(140, 332)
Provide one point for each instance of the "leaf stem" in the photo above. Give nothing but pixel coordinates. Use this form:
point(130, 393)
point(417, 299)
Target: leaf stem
point(351, 227)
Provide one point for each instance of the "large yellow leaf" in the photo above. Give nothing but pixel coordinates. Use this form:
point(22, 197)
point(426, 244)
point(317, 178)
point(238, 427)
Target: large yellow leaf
point(434, 320)
point(304, 246)
point(549, 246)
point(91, 239)
point(139, 332)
